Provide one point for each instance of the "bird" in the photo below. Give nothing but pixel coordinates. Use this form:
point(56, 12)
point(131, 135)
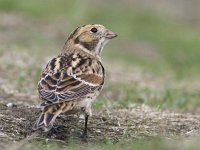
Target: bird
point(71, 81)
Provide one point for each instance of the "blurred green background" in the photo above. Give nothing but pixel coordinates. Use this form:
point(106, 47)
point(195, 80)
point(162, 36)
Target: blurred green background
point(147, 38)
point(154, 61)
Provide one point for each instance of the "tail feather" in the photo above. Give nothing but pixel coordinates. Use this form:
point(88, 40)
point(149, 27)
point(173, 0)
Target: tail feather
point(46, 119)
point(49, 114)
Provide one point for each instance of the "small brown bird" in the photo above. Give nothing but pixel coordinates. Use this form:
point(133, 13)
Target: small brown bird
point(73, 79)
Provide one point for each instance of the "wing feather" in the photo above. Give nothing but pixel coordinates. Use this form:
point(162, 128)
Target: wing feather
point(57, 84)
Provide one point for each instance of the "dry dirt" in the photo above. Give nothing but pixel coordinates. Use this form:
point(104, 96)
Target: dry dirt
point(105, 125)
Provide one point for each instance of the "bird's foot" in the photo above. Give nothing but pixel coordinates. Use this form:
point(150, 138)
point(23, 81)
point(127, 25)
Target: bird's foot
point(57, 129)
point(84, 136)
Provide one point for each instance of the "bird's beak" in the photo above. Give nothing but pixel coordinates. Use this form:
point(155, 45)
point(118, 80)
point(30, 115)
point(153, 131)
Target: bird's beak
point(109, 34)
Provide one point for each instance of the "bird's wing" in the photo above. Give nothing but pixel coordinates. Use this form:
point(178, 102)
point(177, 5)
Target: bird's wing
point(66, 79)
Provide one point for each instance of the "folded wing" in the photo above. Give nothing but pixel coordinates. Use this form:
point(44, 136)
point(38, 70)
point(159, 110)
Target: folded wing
point(59, 83)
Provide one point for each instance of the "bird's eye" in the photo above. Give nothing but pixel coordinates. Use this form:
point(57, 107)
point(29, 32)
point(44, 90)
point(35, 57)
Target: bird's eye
point(94, 30)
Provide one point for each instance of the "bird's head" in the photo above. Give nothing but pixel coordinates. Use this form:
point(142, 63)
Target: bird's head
point(90, 38)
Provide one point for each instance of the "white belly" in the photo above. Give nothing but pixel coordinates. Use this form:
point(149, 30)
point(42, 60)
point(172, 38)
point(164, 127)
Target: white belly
point(86, 102)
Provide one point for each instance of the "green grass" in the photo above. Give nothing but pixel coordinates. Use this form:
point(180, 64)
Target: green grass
point(141, 144)
point(173, 98)
point(150, 144)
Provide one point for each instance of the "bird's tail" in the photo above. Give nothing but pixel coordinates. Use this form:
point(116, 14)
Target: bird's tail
point(47, 118)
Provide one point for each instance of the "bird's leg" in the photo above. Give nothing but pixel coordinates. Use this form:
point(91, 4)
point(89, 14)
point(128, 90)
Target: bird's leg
point(84, 135)
point(86, 121)
point(87, 112)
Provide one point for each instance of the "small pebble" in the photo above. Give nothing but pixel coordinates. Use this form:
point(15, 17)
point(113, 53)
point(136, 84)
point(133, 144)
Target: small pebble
point(72, 130)
point(104, 118)
point(10, 105)
point(81, 116)
point(98, 131)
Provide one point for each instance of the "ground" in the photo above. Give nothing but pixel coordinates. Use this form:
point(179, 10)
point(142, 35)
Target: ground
point(151, 95)
point(104, 126)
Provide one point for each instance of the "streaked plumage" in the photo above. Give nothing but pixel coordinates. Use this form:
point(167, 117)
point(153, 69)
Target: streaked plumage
point(73, 79)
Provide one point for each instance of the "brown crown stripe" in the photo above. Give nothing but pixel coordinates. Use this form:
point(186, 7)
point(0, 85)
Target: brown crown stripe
point(73, 33)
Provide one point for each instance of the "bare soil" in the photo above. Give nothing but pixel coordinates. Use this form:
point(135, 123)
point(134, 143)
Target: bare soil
point(105, 125)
